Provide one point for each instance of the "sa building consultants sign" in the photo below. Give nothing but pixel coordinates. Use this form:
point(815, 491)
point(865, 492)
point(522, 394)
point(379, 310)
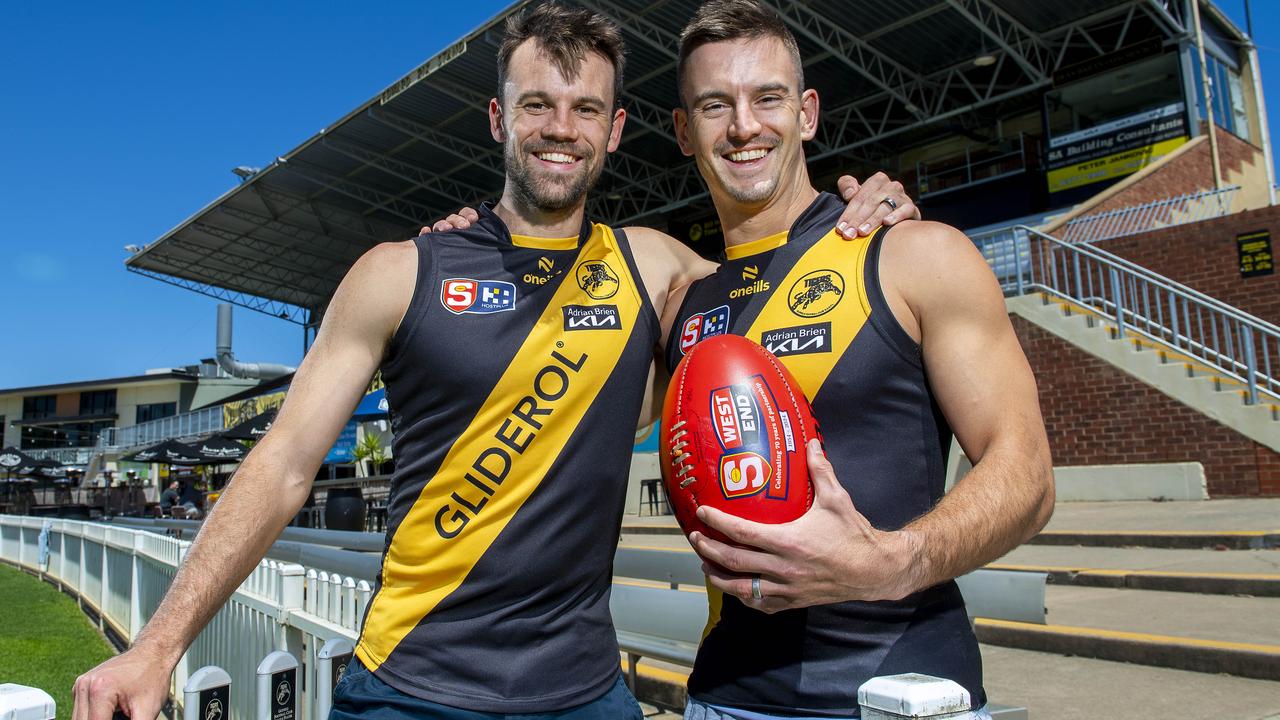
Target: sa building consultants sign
point(1114, 149)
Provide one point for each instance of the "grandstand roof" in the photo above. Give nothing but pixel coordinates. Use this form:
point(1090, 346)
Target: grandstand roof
point(903, 73)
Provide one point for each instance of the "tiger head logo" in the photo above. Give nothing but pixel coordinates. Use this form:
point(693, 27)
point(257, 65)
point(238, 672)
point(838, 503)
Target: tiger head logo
point(816, 293)
point(597, 279)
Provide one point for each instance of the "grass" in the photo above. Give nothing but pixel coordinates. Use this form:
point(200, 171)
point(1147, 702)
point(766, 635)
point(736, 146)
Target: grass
point(45, 641)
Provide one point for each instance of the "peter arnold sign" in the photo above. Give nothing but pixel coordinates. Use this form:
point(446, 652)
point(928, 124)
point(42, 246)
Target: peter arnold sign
point(1114, 149)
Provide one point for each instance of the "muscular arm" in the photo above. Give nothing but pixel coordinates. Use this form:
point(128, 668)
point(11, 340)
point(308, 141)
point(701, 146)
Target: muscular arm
point(269, 486)
point(986, 390)
point(944, 295)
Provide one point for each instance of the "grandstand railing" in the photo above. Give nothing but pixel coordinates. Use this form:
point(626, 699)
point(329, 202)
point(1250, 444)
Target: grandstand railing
point(1238, 346)
point(198, 422)
point(1181, 210)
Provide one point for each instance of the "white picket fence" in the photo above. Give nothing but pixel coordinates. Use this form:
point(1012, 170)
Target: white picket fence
point(122, 574)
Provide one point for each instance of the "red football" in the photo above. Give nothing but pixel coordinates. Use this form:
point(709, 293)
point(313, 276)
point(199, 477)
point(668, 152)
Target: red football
point(734, 429)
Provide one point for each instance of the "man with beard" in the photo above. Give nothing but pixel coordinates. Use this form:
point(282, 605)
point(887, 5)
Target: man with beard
point(916, 343)
point(515, 354)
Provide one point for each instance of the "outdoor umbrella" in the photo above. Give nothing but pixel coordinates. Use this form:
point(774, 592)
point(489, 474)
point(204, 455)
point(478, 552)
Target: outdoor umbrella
point(14, 461)
point(47, 469)
point(253, 428)
point(167, 452)
point(217, 450)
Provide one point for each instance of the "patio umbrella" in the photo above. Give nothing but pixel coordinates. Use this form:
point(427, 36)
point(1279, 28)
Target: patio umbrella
point(218, 450)
point(14, 461)
point(253, 428)
point(47, 469)
point(167, 452)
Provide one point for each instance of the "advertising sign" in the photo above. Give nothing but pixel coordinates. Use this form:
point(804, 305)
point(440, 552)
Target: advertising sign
point(1114, 149)
point(1254, 249)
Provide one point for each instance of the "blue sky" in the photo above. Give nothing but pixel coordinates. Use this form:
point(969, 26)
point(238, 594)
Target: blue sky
point(119, 120)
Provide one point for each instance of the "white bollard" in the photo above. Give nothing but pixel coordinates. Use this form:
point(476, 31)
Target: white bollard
point(277, 687)
point(331, 664)
point(207, 695)
point(19, 702)
point(894, 697)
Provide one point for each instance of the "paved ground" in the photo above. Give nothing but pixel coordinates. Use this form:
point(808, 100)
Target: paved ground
point(1053, 687)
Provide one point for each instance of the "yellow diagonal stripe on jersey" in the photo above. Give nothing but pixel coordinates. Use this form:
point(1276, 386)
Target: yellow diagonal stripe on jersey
point(844, 258)
point(454, 520)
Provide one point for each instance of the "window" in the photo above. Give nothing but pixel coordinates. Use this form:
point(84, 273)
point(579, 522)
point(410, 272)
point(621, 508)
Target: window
point(98, 402)
point(155, 411)
point(1227, 90)
point(39, 406)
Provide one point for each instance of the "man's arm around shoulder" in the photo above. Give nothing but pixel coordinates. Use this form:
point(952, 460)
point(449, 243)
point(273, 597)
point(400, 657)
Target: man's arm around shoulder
point(267, 489)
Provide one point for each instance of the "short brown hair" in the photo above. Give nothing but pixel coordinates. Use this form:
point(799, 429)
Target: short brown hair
point(724, 20)
point(566, 35)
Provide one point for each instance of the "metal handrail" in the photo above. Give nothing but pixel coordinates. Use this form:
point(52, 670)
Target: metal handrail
point(1232, 342)
point(1168, 212)
point(189, 424)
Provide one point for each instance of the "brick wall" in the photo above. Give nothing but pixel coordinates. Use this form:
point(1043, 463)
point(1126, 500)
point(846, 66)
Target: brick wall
point(1096, 414)
point(1203, 255)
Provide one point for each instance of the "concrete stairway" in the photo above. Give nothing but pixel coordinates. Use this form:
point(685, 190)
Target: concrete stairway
point(1179, 376)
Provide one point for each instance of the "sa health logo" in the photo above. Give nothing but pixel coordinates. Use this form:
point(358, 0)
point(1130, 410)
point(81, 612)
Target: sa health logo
point(702, 326)
point(477, 297)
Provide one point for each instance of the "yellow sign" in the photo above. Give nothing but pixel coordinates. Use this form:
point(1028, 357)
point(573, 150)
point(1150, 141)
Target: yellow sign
point(234, 413)
point(1111, 166)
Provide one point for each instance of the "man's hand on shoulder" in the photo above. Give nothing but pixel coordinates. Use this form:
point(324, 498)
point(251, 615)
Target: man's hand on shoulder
point(830, 554)
point(878, 201)
point(460, 220)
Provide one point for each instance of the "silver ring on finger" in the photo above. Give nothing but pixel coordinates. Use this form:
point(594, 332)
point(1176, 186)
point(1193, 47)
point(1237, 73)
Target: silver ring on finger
point(893, 205)
point(755, 588)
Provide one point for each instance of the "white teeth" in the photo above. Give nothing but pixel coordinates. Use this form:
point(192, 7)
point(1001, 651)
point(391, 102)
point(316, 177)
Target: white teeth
point(747, 155)
point(556, 157)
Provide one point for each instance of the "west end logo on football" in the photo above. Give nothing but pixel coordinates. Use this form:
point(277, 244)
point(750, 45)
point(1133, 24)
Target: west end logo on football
point(816, 293)
point(478, 297)
point(702, 326)
point(740, 428)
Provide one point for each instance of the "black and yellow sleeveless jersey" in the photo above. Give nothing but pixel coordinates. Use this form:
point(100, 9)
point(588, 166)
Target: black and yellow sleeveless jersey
point(514, 384)
point(814, 300)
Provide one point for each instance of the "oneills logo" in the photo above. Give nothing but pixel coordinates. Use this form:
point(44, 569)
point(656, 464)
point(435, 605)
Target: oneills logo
point(816, 293)
point(597, 279)
point(545, 264)
point(513, 435)
point(750, 272)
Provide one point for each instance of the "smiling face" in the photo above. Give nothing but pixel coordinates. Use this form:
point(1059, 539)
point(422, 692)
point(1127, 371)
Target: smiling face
point(555, 131)
point(745, 120)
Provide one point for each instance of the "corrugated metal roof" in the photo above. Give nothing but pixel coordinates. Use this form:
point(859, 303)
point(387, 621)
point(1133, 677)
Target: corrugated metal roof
point(422, 148)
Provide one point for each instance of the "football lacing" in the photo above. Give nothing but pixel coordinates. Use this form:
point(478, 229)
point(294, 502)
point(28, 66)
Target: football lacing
point(677, 457)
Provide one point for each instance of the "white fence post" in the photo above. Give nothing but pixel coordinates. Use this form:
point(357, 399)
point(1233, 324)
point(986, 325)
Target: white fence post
point(331, 664)
point(135, 588)
point(277, 697)
point(911, 695)
point(207, 695)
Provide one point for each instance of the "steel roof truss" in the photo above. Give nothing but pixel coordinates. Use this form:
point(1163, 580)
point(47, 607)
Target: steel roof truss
point(410, 211)
point(274, 308)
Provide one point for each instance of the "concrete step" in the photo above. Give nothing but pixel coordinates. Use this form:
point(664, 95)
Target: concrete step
point(1226, 539)
point(1214, 634)
point(1243, 572)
